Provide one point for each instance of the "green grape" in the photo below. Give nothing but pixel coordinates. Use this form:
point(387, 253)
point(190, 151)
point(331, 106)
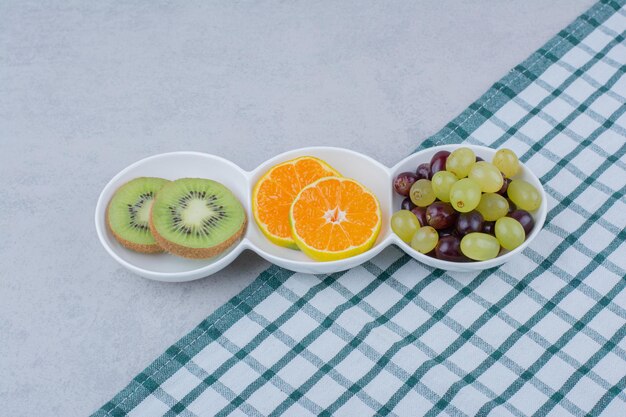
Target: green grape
point(480, 246)
point(493, 206)
point(465, 195)
point(404, 223)
point(425, 239)
point(506, 161)
point(524, 195)
point(510, 233)
point(442, 182)
point(460, 162)
point(422, 193)
point(487, 176)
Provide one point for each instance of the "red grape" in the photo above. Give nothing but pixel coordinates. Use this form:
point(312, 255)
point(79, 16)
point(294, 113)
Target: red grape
point(438, 162)
point(420, 213)
point(449, 249)
point(525, 219)
point(423, 171)
point(489, 227)
point(403, 182)
point(505, 186)
point(407, 204)
point(469, 222)
point(450, 231)
point(441, 215)
point(512, 206)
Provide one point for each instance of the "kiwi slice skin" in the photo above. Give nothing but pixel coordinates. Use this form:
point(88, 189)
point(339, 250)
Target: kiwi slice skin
point(122, 214)
point(197, 218)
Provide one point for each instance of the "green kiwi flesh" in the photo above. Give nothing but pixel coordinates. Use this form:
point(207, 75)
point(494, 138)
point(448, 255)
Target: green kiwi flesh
point(196, 218)
point(128, 214)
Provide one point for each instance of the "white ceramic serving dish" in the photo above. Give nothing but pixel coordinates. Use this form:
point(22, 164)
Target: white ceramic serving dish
point(377, 177)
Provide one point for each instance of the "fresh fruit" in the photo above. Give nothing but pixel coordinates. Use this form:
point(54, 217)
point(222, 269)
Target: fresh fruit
point(438, 162)
point(505, 185)
point(506, 161)
point(407, 204)
point(196, 218)
point(512, 206)
point(449, 249)
point(469, 222)
point(128, 214)
point(492, 206)
point(403, 182)
point(441, 215)
point(275, 191)
point(509, 233)
point(450, 231)
point(425, 239)
point(524, 218)
point(420, 213)
point(404, 224)
point(442, 183)
point(465, 195)
point(422, 193)
point(480, 246)
point(524, 195)
point(423, 171)
point(487, 176)
point(489, 228)
point(468, 205)
point(460, 162)
point(335, 218)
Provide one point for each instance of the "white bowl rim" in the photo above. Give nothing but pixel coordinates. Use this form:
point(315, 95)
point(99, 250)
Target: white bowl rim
point(245, 243)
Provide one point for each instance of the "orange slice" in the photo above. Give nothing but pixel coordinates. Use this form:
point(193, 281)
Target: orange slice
point(275, 191)
point(335, 218)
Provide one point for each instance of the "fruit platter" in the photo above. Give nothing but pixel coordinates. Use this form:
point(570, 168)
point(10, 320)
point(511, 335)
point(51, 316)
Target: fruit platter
point(185, 215)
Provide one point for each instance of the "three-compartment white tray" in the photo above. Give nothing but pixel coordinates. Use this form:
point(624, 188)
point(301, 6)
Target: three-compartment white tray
point(377, 177)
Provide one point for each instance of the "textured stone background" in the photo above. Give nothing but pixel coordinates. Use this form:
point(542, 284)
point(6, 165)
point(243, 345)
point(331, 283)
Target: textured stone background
point(88, 88)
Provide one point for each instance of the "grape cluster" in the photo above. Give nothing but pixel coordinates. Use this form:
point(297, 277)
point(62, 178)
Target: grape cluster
point(461, 208)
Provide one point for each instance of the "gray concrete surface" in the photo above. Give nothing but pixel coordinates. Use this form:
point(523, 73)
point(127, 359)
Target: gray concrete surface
point(88, 88)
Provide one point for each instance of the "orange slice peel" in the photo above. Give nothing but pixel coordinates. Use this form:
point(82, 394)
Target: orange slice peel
point(275, 191)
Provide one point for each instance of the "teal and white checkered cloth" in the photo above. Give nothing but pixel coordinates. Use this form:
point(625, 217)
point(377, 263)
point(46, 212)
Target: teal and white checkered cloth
point(541, 335)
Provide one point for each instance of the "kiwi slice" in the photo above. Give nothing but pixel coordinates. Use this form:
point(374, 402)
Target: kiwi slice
point(128, 214)
point(196, 218)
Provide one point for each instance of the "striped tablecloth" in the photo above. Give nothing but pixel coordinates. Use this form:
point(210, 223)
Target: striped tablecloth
point(541, 335)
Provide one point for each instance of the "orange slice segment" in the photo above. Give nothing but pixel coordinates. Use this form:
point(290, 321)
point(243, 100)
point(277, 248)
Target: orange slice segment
point(335, 218)
point(275, 191)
